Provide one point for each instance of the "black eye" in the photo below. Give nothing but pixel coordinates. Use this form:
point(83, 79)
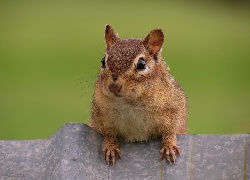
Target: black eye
point(141, 65)
point(103, 62)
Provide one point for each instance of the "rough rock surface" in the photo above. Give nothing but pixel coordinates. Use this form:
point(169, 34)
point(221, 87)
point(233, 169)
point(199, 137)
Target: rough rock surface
point(74, 153)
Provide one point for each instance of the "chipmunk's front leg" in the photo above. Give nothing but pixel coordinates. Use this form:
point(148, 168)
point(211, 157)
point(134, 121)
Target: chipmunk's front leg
point(110, 148)
point(169, 148)
point(168, 128)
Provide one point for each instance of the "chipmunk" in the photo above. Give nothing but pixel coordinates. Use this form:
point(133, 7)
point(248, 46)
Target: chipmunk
point(135, 97)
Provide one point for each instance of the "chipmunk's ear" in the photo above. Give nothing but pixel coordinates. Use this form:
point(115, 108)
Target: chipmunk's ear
point(153, 41)
point(110, 36)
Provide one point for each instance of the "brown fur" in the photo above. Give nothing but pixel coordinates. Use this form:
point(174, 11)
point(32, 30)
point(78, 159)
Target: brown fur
point(135, 105)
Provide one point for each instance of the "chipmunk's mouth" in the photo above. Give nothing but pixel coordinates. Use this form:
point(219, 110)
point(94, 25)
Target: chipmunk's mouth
point(117, 95)
point(115, 89)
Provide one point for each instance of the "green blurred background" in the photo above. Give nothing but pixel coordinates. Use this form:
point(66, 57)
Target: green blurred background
point(50, 54)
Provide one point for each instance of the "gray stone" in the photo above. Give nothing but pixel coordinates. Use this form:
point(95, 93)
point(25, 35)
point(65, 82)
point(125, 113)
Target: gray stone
point(74, 153)
point(218, 156)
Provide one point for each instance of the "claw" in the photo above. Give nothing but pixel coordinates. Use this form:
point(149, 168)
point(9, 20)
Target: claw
point(170, 153)
point(177, 150)
point(104, 151)
point(168, 156)
point(109, 154)
point(118, 153)
point(161, 154)
point(113, 157)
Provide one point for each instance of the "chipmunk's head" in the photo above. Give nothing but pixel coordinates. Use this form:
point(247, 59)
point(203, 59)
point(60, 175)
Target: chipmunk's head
point(130, 65)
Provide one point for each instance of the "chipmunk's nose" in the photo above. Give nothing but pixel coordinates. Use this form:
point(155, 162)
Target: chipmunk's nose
point(114, 76)
point(115, 88)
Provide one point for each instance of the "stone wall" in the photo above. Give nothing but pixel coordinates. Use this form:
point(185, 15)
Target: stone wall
point(74, 153)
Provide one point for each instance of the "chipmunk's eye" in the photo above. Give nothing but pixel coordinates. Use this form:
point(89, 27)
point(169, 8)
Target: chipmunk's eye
point(103, 62)
point(141, 65)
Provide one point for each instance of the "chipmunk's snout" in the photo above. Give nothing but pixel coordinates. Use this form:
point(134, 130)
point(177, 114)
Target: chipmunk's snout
point(115, 89)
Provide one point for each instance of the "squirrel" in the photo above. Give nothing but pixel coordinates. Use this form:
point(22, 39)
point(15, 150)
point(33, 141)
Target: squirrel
point(135, 97)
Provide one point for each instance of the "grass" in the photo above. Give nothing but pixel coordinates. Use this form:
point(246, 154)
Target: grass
point(50, 54)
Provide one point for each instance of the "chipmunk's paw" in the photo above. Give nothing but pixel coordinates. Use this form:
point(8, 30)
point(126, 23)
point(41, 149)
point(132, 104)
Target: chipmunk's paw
point(170, 152)
point(109, 150)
